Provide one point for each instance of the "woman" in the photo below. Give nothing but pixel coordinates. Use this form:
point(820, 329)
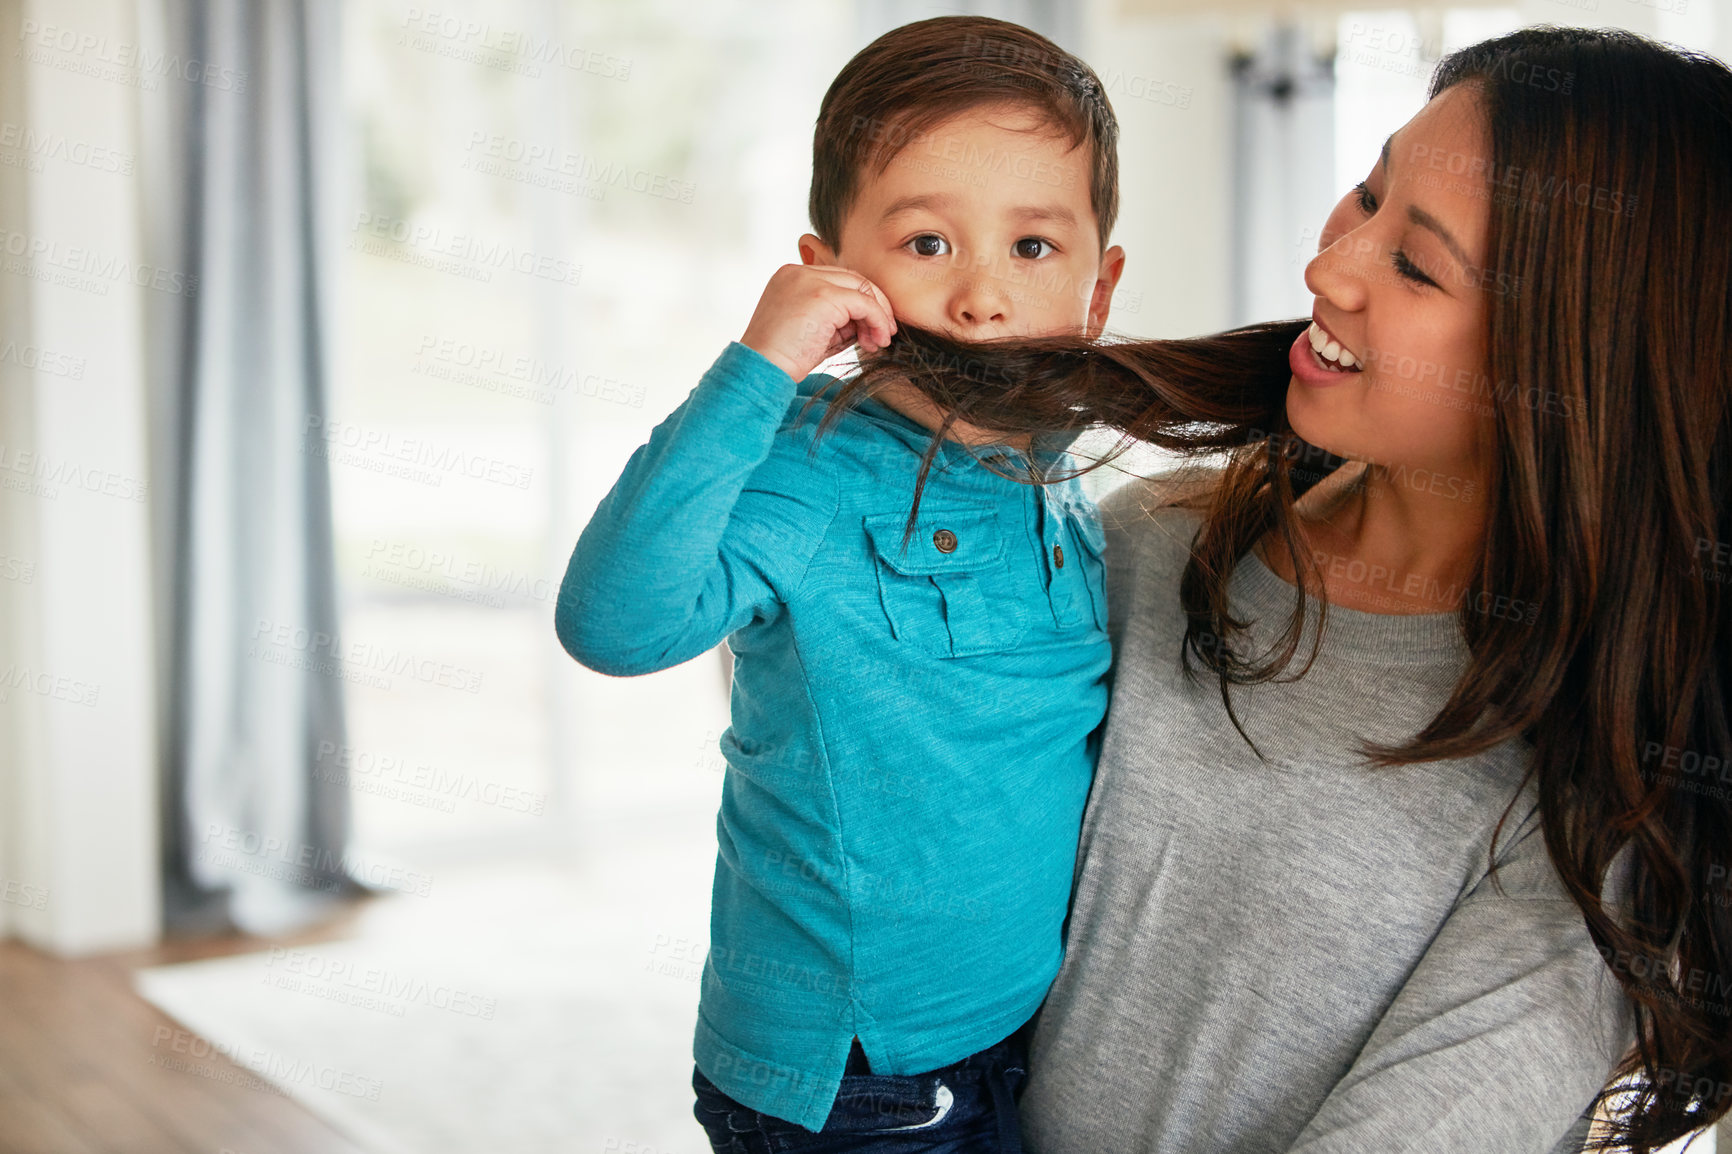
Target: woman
point(1418, 858)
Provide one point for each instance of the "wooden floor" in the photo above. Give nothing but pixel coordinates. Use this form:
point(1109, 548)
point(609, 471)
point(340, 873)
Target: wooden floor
point(89, 1067)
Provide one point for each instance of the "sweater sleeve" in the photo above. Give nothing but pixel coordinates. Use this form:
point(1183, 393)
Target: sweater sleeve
point(700, 534)
point(1501, 1037)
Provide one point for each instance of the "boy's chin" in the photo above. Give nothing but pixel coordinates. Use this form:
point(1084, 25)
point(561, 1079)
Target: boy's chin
point(949, 331)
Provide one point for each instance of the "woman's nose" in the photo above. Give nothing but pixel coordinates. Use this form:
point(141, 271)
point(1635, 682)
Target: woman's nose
point(1339, 273)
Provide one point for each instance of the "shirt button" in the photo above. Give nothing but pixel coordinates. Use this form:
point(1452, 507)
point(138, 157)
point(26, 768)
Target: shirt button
point(945, 541)
point(1058, 556)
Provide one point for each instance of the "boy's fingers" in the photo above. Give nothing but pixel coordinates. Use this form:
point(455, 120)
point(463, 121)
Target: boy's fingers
point(882, 321)
point(889, 314)
point(870, 319)
point(868, 308)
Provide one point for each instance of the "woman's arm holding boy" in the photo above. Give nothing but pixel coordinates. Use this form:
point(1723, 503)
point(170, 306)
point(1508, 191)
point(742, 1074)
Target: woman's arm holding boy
point(1501, 1037)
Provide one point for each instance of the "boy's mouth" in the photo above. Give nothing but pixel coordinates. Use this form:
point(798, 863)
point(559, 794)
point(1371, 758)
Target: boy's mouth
point(1331, 353)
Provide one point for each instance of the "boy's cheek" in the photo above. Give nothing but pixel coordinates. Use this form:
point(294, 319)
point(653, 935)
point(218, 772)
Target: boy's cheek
point(914, 300)
point(1039, 298)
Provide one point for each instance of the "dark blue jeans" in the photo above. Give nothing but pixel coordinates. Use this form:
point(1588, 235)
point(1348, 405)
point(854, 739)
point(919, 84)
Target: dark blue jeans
point(965, 1108)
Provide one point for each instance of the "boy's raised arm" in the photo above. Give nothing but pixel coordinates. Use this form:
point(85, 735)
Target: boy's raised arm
point(688, 546)
point(675, 558)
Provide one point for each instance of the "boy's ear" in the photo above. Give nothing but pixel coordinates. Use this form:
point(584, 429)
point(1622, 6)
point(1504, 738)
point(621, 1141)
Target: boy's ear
point(815, 251)
point(1112, 267)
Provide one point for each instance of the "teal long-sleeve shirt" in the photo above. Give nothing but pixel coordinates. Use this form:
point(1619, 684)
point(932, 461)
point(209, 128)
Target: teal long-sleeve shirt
point(913, 730)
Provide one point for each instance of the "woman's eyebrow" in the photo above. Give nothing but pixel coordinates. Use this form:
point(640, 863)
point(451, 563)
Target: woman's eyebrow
point(1425, 220)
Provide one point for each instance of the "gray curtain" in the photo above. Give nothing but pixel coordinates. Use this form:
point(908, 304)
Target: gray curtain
point(239, 171)
point(1283, 172)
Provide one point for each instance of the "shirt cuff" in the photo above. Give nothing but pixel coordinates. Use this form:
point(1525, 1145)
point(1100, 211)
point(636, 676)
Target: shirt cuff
point(752, 374)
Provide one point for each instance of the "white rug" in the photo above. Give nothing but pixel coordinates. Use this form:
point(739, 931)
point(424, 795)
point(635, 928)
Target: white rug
point(513, 1010)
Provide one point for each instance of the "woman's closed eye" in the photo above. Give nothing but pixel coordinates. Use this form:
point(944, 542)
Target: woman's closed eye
point(1402, 263)
point(1406, 269)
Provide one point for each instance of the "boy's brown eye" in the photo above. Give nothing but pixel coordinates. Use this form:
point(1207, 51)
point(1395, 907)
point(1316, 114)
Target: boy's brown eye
point(929, 244)
point(1031, 247)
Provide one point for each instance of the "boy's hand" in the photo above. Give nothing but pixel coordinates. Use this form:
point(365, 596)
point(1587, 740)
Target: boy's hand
point(809, 313)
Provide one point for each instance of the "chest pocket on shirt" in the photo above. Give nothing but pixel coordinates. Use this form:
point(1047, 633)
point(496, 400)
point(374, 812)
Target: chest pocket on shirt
point(950, 592)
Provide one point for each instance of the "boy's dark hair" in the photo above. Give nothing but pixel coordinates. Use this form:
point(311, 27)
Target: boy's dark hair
point(913, 77)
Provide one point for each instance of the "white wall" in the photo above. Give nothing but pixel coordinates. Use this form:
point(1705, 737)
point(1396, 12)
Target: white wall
point(1168, 86)
point(77, 734)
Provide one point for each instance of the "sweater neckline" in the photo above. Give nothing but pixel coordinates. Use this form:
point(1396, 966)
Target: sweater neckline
point(1388, 638)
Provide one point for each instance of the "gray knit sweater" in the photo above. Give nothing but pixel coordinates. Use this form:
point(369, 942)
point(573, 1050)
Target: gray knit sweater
point(1306, 954)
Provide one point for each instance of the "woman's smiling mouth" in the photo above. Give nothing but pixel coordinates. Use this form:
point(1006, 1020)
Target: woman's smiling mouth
point(1318, 358)
point(1331, 354)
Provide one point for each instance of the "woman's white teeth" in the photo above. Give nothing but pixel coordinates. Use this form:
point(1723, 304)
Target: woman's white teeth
point(1330, 349)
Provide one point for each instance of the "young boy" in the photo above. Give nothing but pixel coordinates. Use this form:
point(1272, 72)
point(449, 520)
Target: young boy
point(912, 738)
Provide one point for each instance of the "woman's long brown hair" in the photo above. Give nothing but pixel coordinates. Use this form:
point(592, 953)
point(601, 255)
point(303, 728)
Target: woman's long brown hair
point(1609, 506)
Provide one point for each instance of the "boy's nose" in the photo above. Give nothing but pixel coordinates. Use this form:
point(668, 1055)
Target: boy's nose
point(977, 302)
